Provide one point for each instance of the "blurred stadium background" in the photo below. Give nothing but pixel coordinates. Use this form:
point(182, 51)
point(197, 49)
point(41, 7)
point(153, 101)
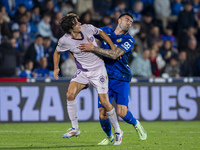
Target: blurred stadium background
point(166, 90)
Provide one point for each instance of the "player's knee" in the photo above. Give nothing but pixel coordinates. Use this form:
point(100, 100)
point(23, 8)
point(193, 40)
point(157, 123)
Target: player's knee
point(70, 96)
point(103, 117)
point(121, 113)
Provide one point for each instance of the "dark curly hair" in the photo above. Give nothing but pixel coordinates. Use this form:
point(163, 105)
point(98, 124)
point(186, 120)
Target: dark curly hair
point(68, 22)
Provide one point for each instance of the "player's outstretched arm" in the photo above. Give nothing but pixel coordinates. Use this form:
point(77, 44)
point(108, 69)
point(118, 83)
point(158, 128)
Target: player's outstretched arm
point(107, 39)
point(56, 59)
point(114, 54)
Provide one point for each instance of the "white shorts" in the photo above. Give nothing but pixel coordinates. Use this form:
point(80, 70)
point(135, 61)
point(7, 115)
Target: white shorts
point(98, 78)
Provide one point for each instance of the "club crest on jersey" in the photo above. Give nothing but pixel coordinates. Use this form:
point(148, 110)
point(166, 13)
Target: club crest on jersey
point(119, 40)
point(91, 39)
point(102, 79)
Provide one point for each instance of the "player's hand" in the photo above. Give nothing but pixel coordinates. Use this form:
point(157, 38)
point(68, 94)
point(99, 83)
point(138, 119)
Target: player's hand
point(86, 46)
point(55, 73)
point(120, 57)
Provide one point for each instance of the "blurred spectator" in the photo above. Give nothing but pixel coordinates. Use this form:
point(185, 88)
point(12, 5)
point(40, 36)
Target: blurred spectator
point(68, 67)
point(57, 31)
point(20, 11)
point(135, 52)
point(84, 5)
point(42, 70)
point(11, 6)
point(177, 7)
point(185, 37)
point(154, 65)
point(18, 46)
point(35, 51)
point(162, 10)
point(86, 18)
point(186, 18)
point(167, 51)
point(19, 67)
point(106, 21)
point(35, 15)
point(48, 51)
point(44, 27)
point(160, 61)
point(24, 39)
point(136, 10)
point(148, 21)
point(196, 68)
point(5, 31)
point(120, 6)
point(28, 70)
point(32, 25)
point(48, 8)
point(12, 41)
point(148, 3)
point(172, 69)
point(135, 28)
point(67, 7)
point(8, 59)
point(141, 40)
point(198, 33)
point(28, 3)
point(154, 37)
point(192, 51)
point(115, 17)
point(141, 66)
point(169, 36)
point(195, 5)
point(4, 14)
point(102, 6)
point(185, 67)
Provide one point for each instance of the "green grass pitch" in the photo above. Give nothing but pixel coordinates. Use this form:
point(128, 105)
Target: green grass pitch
point(168, 135)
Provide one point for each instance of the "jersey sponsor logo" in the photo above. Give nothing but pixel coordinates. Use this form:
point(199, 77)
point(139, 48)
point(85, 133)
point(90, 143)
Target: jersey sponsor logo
point(102, 79)
point(126, 45)
point(119, 40)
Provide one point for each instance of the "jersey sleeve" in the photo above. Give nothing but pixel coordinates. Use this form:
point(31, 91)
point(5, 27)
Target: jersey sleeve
point(61, 47)
point(94, 29)
point(127, 44)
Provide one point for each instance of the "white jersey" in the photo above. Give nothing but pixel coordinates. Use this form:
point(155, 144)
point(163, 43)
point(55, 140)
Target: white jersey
point(85, 61)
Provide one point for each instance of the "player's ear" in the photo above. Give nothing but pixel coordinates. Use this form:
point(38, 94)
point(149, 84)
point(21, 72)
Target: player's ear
point(118, 21)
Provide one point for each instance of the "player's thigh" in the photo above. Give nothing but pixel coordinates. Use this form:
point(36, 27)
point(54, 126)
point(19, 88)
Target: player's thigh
point(99, 79)
point(122, 93)
point(80, 77)
point(73, 89)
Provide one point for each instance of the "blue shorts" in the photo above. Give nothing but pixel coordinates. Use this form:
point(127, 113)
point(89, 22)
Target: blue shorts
point(119, 90)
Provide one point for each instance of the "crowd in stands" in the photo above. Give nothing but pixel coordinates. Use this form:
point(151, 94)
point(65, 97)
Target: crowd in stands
point(166, 33)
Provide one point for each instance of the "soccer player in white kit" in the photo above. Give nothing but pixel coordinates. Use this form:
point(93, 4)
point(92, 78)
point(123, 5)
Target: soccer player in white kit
point(91, 69)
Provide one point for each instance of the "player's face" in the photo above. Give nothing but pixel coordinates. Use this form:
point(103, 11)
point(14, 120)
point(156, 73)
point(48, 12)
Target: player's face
point(125, 22)
point(77, 27)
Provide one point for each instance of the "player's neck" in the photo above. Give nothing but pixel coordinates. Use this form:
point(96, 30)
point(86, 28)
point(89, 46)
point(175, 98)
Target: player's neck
point(118, 31)
point(76, 35)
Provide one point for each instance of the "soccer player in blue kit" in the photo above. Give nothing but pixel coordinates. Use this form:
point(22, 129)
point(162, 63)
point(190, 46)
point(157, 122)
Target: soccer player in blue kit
point(119, 74)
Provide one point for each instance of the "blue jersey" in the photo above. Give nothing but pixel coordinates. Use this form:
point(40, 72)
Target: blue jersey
point(118, 69)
